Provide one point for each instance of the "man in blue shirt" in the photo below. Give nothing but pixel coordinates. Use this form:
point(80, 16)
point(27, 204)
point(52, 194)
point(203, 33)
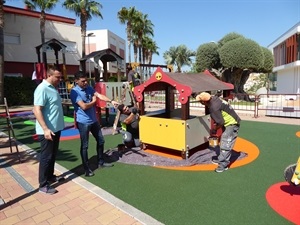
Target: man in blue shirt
point(84, 98)
point(49, 123)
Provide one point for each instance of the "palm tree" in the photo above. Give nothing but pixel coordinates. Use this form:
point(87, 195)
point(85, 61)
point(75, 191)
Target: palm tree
point(170, 55)
point(43, 5)
point(128, 16)
point(179, 56)
point(1, 52)
point(85, 10)
point(142, 26)
point(149, 48)
point(135, 42)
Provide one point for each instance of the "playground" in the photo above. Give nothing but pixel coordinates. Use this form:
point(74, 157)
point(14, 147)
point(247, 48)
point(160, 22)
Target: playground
point(174, 190)
point(178, 185)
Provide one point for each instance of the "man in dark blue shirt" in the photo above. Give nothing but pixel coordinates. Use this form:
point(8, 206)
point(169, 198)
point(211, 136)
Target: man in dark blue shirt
point(84, 98)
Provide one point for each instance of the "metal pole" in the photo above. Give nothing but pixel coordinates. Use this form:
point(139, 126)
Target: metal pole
point(90, 75)
point(88, 36)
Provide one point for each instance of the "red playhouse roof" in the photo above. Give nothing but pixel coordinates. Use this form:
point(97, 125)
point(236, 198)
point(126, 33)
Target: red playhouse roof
point(184, 83)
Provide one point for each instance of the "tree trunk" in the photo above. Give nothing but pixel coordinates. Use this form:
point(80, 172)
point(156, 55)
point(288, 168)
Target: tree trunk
point(42, 30)
point(243, 95)
point(83, 22)
point(238, 78)
point(135, 50)
point(235, 79)
point(228, 77)
point(140, 61)
point(129, 41)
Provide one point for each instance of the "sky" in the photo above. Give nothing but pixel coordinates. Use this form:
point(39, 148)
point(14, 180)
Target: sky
point(196, 22)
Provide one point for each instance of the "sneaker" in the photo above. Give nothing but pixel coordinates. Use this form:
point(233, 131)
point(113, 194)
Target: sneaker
point(103, 165)
point(221, 169)
point(121, 147)
point(47, 190)
point(215, 161)
point(143, 146)
point(89, 173)
point(55, 178)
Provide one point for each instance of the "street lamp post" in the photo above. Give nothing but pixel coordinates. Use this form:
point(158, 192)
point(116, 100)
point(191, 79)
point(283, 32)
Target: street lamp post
point(88, 36)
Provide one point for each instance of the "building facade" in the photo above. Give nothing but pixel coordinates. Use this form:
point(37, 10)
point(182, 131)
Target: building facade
point(285, 78)
point(97, 40)
point(22, 36)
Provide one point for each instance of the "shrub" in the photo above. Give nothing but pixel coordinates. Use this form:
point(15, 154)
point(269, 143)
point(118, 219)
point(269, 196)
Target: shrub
point(19, 90)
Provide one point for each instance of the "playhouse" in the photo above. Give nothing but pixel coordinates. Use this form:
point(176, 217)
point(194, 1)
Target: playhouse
point(174, 128)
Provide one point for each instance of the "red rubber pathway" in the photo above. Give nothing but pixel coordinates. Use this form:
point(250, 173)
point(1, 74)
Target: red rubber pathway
point(77, 201)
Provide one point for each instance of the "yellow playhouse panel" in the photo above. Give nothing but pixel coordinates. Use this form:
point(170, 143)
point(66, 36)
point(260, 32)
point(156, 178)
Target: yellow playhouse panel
point(167, 133)
point(296, 177)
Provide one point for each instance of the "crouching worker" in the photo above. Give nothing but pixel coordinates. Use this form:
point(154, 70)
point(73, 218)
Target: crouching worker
point(226, 118)
point(129, 119)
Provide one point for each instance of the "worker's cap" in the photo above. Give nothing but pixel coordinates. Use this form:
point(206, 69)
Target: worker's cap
point(203, 97)
point(121, 107)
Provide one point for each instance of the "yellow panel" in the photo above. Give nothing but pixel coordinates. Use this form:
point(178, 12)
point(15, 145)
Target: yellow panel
point(69, 85)
point(296, 177)
point(167, 133)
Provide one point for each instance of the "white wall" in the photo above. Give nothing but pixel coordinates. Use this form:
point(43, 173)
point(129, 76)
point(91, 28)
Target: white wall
point(288, 76)
point(288, 80)
point(102, 40)
point(28, 29)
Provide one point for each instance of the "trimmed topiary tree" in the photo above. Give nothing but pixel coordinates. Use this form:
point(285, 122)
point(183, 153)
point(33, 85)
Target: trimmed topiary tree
point(233, 59)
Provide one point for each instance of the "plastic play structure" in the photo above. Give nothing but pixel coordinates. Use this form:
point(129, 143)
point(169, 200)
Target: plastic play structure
point(292, 173)
point(114, 90)
point(41, 65)
point(174, 128)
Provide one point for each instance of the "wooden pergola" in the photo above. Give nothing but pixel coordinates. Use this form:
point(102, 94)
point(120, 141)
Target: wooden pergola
point(57, 47)
point(105, 55)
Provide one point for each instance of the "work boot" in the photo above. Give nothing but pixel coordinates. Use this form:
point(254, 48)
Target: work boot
point(85, 164)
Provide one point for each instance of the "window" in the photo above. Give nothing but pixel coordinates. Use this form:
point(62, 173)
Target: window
point(121, 45)
point(273, 81)
point(12, 39)
point(13, 74)
point(113, 41)
point(71, 47)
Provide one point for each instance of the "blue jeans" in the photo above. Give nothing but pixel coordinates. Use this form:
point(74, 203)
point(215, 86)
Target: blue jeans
point(84, 131)
point(47, 158)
